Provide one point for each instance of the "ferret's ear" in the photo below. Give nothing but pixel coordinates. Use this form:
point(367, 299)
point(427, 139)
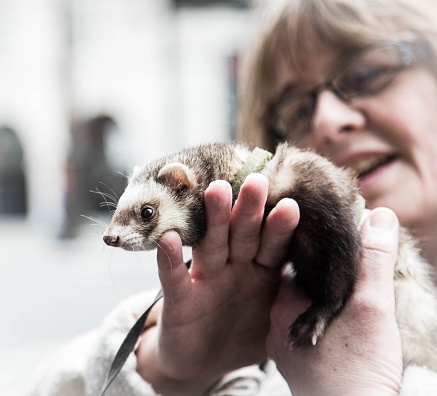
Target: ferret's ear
point(136, 170)
point(177, 175)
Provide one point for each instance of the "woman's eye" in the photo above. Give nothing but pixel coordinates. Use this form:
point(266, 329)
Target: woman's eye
point(147, 212)
point(360, 80)
point(365, 81)
point(298, 115)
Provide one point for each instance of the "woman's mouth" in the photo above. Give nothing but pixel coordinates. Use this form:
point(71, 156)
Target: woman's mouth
point(370, 165)
point(371, 170)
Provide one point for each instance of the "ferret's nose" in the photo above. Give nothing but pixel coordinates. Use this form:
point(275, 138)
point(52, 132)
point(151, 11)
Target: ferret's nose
point(111, 240)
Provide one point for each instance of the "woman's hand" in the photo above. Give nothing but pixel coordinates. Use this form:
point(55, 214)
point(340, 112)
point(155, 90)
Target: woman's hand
point(360, 353)
point(216, 316)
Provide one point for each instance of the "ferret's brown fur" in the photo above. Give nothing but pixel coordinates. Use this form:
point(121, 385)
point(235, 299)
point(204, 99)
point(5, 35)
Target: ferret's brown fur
point(167, 194)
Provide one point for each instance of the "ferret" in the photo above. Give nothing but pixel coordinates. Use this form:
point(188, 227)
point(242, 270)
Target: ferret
point(168, 194)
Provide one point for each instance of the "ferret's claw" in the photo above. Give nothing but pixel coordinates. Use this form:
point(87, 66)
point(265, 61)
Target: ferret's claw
point(289, 343)
point(308, 329)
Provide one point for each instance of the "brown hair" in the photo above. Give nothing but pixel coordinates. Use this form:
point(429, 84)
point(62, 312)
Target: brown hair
point(300, 28)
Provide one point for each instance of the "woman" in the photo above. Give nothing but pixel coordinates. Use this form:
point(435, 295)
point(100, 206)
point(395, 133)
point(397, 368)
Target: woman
point(353, 80)
point(391, 109)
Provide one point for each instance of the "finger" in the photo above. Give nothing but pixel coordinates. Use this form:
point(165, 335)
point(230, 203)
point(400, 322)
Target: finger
point(380, 238)
point(212, 253)
point(173, 274)
point(277, 233)
point(247, 217)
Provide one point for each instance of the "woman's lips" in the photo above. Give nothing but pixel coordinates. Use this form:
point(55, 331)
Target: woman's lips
point(369, 167)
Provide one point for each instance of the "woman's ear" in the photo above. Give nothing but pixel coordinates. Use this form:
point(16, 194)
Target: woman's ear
point(177, 175)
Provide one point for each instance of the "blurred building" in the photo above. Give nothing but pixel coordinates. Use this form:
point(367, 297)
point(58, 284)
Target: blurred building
point(90, 88)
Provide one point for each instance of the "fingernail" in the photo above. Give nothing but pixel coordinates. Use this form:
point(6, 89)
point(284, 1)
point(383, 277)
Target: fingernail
point(383, 219)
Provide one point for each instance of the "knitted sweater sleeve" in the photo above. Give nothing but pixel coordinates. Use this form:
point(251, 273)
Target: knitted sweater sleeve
point(80, 368)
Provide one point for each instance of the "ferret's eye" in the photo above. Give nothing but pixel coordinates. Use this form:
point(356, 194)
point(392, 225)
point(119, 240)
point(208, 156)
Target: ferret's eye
point(147, 212)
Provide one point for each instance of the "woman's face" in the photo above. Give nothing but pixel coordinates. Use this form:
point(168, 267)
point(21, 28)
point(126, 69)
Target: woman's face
point(389, 139)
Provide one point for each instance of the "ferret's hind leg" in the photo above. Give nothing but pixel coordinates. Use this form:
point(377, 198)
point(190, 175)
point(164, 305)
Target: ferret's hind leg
point(310, 326)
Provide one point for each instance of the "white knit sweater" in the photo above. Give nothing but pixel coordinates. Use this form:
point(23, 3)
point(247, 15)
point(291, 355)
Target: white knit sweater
point(80, 368)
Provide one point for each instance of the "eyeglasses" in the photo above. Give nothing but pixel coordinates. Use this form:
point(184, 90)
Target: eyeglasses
point(358, 76)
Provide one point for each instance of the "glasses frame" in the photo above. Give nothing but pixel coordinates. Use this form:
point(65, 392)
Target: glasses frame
point(409, 53)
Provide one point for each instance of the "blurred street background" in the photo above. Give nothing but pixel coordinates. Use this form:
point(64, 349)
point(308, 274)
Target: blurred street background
point(52, 290)
point(88, 89)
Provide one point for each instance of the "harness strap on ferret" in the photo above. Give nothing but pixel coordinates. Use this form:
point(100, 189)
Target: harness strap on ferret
point(254, 164)
point(360, 205)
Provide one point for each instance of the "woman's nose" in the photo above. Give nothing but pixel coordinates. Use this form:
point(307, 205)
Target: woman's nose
point(334, 120)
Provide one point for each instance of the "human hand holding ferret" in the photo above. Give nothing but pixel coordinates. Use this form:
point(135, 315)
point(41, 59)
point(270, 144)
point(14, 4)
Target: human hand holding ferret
point(215, 317)
point(361, 348)
point(238, 259)
point(361, 351)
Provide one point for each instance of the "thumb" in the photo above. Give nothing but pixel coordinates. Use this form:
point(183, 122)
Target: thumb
point(380, 238)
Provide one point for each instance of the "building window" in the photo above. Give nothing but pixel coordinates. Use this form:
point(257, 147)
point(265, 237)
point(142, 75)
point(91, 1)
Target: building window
point(93, 187)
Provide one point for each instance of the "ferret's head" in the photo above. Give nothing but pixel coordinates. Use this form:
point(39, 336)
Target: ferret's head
point(153, 203)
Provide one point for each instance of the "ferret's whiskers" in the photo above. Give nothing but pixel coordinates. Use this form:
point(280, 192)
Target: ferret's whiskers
point(111, 275)
point(117, 198)
point(137, 252)
point(166, 244)
point(97, 222)
point(171, 263)
point(137, 255)
point(108, 204)
point(82, 236)
point(110, 200)
point(105, 195)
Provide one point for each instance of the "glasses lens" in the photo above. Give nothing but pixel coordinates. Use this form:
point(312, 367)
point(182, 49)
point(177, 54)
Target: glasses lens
point(365, 74)
point(369, 73)
point(293, 117)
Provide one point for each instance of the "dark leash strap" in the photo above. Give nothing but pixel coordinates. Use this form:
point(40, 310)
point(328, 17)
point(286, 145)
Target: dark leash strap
point(128, 345)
